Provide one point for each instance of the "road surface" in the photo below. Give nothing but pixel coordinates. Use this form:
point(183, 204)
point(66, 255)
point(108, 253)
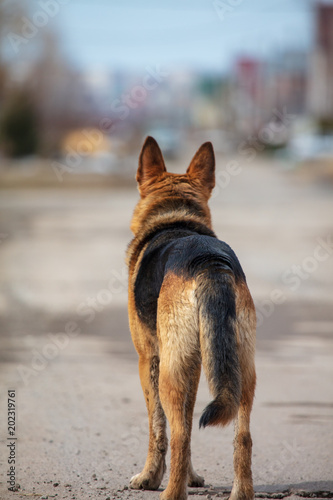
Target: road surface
point(81, 424)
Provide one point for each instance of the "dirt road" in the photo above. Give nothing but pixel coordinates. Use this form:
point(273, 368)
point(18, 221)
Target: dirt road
point(81, 424)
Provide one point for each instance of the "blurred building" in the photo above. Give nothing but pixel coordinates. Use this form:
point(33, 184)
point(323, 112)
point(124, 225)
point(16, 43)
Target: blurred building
point(320, 96)
point(263, 88)
point(247, 94)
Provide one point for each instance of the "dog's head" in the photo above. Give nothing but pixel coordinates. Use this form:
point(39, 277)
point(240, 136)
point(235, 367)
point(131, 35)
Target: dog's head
point(155, 183)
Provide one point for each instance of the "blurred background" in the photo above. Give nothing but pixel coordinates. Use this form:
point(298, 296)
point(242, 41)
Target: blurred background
point(89, 80)
point(82, 83)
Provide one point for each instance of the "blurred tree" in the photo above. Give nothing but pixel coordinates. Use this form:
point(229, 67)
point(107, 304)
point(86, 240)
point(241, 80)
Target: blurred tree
point(210, 86)
point(325, 125)
point(17, 118)
point(3, 72)
point(39, 68)
point(52, 84)
point(56, 97)
point(18, 126)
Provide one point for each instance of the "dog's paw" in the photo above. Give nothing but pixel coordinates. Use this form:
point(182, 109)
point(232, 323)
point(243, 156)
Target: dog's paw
point(143, 481)
point(195, 481)
point(173, 495)
point(242, 493)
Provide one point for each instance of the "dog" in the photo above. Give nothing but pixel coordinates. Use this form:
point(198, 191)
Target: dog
point(189, 305)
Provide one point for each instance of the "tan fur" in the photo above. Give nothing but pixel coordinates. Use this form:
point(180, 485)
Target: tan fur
point(170, 358)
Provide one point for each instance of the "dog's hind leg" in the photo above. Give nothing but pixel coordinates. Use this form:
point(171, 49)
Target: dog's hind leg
point(173, 394)
point(152, 474)
point(178, 334)
point(194, 479)
point(243, 485)
point(246, 331)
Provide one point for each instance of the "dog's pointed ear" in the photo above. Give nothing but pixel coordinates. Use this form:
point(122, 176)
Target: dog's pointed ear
point(202, 166)
point(151, 162)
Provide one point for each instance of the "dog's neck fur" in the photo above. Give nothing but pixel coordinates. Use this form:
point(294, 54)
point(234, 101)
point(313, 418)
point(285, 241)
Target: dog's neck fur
point(168, 214)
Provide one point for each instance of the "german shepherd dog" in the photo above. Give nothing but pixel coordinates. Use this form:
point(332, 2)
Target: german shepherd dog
point(189, 304)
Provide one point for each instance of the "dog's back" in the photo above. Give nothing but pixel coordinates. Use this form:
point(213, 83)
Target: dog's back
point(210, 269)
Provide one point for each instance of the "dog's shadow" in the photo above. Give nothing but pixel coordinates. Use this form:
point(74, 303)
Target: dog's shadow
point(315, 489)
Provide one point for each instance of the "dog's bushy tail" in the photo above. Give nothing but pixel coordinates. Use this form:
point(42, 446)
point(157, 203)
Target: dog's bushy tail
point(218, 344)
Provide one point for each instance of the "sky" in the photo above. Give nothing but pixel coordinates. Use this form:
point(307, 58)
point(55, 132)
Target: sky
point(110, 35)
point(198, 34)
